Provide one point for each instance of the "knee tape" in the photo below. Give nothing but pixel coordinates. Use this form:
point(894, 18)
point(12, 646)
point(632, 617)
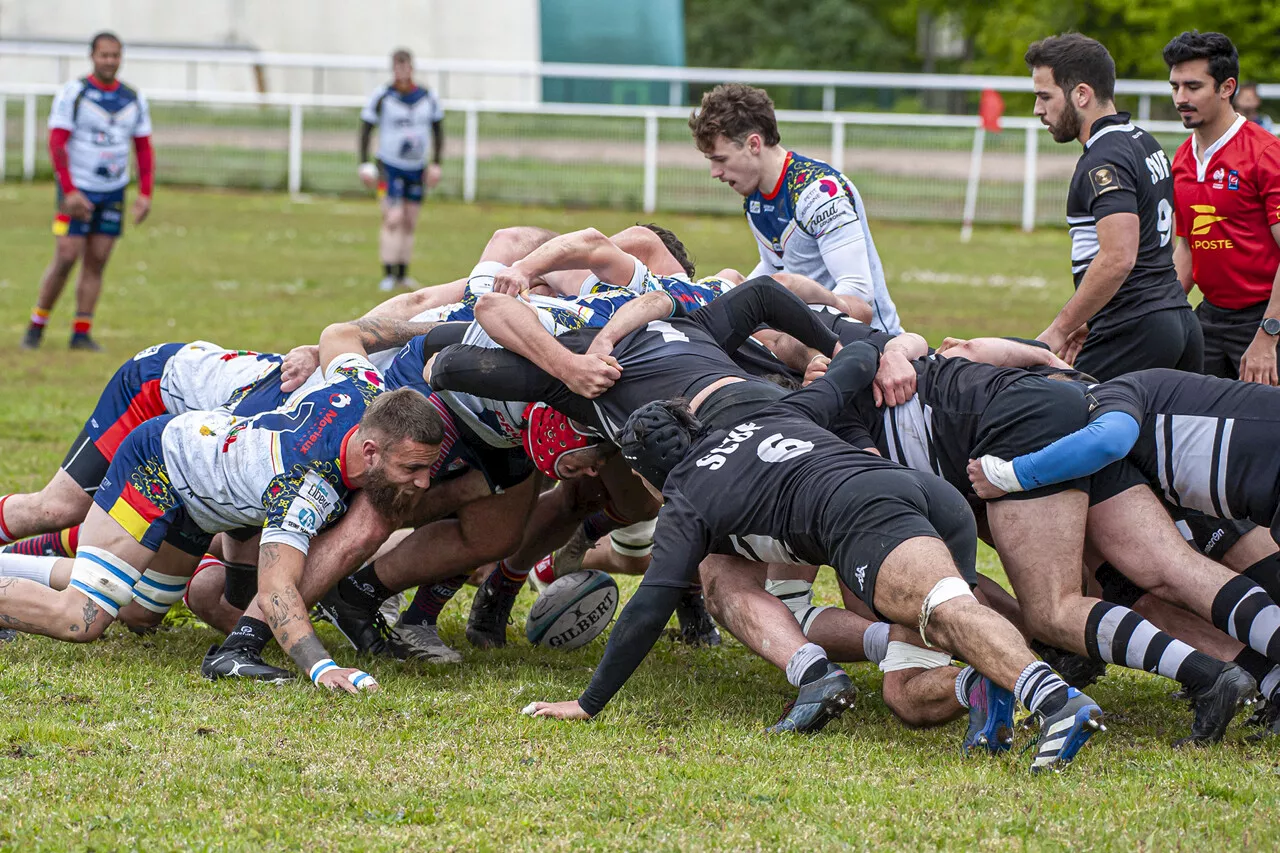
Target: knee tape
point(902, 655)
point(942, 592)
point(798, 596)
point(635, 540)
point(158, 592)
point(105, 578)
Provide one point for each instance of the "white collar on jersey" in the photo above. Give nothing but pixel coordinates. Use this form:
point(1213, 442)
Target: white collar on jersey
point(1202, 162)
point(1111, 128)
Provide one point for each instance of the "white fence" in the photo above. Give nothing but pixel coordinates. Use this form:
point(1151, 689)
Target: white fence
point(915, 167)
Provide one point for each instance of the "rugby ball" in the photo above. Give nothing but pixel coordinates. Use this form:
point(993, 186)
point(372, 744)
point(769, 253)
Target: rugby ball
point(573, 610)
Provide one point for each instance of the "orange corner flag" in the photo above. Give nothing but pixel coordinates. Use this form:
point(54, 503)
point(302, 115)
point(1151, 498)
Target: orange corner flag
point(990, 109)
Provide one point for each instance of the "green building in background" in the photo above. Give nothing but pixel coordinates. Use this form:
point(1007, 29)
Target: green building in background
point(611, 32)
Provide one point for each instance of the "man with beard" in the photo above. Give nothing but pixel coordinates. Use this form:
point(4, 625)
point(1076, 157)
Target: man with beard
point(1129, 312)
point(178, 480)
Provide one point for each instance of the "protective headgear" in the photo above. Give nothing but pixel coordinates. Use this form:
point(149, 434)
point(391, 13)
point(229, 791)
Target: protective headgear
point(656, 437)
point(549, 435)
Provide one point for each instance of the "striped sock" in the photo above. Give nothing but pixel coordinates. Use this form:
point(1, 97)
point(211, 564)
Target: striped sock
point(1263, 671)
point(430, 600)
point(1041, 689)
point(82, 324)
point(60, 544)
point(506, 578)
point(1266, 574)
point(5, 536)
point(1245, 611)
point(601, 522)
point(39, 317)
point(1117, 635)
point(966, 682)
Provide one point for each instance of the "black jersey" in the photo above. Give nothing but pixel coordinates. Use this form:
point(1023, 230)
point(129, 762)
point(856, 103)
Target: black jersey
point(1205, 443)
point(1124, 170)
point(664, 360)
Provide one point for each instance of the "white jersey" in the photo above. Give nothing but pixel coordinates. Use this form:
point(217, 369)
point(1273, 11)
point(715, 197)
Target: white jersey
point(103, 125)
point(203, 376)
point(404, 122)
point(282, 470)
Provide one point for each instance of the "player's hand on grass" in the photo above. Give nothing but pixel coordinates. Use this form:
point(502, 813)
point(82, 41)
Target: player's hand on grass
point(816, 367)
point(433, 175)
point(75, 205)
point(556, 710)
point(983, 487)
point(895, 380)
point(1259, 361)
point(141, 208)
point(350, 680)
point(298, 365)
point(591, 375)
point(512, 282)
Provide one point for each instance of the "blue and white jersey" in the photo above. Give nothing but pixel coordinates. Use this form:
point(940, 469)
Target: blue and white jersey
point(103, 124)
point(813, 223)
point(691, 294)
point(283, 469)
point(404, 121)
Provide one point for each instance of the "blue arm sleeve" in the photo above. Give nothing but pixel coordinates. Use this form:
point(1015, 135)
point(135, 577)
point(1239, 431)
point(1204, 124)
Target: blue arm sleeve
point(1108, 439)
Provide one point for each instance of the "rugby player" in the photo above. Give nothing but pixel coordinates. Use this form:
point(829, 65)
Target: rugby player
point(871, 518)
point(407, 117)
point(1128, 311)
point(807, 217)
point(1226, 187)
point(91, 125)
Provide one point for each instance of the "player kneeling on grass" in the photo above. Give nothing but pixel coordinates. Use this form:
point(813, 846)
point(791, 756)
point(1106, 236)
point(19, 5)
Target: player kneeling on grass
point(865, 515)
point(178, 480)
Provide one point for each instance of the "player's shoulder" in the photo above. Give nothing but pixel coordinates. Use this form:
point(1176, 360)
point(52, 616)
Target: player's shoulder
point(127, 92)
point(805, 174)
point(1257, 139)
point(355, 371)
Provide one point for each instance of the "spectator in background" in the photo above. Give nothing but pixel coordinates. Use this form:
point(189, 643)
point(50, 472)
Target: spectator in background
point(1249, 105)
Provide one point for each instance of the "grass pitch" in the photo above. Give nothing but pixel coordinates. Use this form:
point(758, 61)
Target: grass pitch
point(121, 745)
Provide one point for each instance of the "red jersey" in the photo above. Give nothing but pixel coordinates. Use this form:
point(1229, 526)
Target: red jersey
point(1225, 209)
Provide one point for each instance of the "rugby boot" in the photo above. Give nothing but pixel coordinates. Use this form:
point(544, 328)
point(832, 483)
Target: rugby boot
point(1266, 720)
point(31, 339)
point(1217, 705)
point(490, 613)
point(1063, 733)
point(424, 643)
point(544, 573)
point(990, 719)
point(84, 343)
point(696, 626)
point(568, 557)
point(1077, 670)
point(241, 663)
point(363, 626)
point(818, 703)
point(8, 635)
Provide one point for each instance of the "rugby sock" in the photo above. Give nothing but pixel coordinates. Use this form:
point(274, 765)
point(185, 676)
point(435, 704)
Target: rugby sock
point(83, 323)
point(399, 271)
point(249, 635)
point(39, 317)
point(1039, 688)
point(60, 544)
point(1263, 671)
point(1266, 574)
point(809, 663)
point(388, 270)
point(875, 641)
point(1243, 610)
point(507, 579)
point(1116, 634)
point(5, 536)
point(31, 567)
point(966, 682)
point(364, 587)
point(427, 604)
point(600, 523)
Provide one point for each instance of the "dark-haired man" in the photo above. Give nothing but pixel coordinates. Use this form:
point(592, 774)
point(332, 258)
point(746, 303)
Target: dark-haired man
point(92, 124)
point(1128, 311)
point(1227, 193)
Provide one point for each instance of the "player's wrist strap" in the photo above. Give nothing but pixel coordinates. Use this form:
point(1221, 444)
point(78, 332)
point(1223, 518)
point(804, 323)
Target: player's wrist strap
point(320, 667)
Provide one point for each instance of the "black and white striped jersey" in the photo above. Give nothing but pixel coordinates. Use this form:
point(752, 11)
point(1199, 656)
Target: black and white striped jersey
point(1124, 170)
point(1205, 443)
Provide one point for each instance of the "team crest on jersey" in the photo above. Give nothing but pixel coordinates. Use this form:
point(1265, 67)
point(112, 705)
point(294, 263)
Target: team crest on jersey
point(753, 205)
point(1103, 179)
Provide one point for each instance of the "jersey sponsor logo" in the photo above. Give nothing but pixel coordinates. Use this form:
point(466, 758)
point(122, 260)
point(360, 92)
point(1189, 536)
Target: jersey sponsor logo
point(1104, 179)
point(776, 448)
point(147, 353)
point(860, 575)
point(716, 458)
point(1233, 180)
point(309, 441)
point(753, 206)
point(339, 401)
point(1206, 217)
point(828, 186)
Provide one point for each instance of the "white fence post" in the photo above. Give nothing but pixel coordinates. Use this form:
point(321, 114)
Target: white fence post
point(29, 138)
point(1144, 108)
point(295, 148)
point(971, 190)
point(829, 100)
point(837, 144)
point(470, 154)
point(650, 162)
point(4, 135)
point(1029, 178)
point(675, 94)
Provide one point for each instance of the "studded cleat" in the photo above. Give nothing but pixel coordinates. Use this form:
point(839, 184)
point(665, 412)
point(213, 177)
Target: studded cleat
point(365, 628)
point(1077, 670)
point(818, 703)
point(241, 663)
point(424, 643)
point(490, 613)
point(1062, 734)
point(990, 719)
point(1216, 706)
point(696, 625)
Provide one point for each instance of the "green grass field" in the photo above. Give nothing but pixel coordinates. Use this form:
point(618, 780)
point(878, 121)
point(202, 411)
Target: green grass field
point(121, 745)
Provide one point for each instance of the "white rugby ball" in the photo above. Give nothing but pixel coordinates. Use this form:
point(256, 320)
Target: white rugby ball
point(573, 610)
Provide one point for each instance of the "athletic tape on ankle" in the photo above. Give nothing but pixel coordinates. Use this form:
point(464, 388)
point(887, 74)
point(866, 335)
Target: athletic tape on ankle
point(902, 655)
point(102, 576)
point(320, 667)
point(942, 592)
point(798, 596)
point(158, 592)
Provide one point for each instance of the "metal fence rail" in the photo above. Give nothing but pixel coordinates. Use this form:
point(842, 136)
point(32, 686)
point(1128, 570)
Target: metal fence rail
point(914, 167)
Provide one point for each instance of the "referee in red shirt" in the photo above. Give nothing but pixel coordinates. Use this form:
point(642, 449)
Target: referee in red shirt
point(1226, 186)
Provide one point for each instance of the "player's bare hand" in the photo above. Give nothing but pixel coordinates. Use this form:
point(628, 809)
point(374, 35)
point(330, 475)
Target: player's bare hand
point(350, 680)
point(591, 375)
point(895, 380)
point(816, 367)
point(141, 208)
point(298, 365)
point(512, 282)
point(75, 205)
point(556, 710)
point(1259, 361)
point(368, 173)
point(433, 175)
point(1074, 343)
point(983, 487)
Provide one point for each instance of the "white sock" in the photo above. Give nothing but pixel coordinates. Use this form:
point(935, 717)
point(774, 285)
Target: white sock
point(805, 657)
point(875, 641)
point(32, 568)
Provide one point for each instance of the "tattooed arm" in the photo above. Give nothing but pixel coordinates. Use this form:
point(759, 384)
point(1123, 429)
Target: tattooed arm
point(366, 335)
point(279, 571)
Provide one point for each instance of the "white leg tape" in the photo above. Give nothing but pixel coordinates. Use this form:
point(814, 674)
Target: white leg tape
point(105, 578)
point(906, 656)
point(942, 592)
point(798, 596)
point(158, 592)
point(635, 540)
